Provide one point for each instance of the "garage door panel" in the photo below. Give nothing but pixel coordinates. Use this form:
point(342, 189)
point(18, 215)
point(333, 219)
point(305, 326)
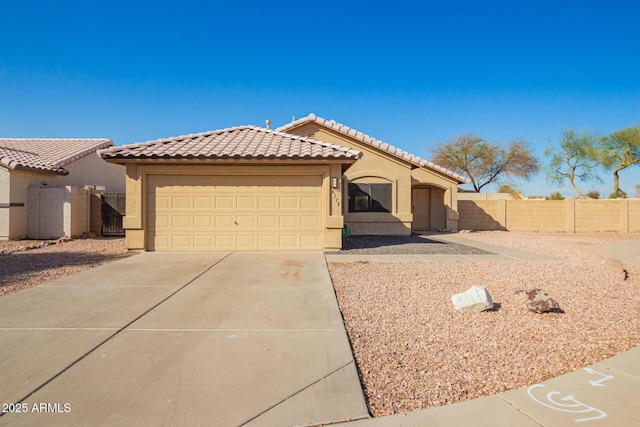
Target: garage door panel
point(265, 221)
point(223, 241)
point(180, 202)
point(201, 221)
point(181, 241)
point(245, 241)
point(229, 213)
point(223, 221)
point(224, 202)
point(309, 221)
point(309, 241)
point(267, 202)
point(245, 221)
point(309, 202)
point(178, 221)
point(288, 221)
point(200, 241)
point(267, 241)
point(288, 202)
point(161, 221)
point(202, 202)
point(245, 202)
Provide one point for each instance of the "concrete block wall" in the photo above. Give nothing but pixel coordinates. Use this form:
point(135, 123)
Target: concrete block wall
point(551, 216)
point(548, 216)
point(480, 214)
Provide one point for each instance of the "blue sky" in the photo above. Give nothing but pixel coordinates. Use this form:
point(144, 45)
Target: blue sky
point(410, 73)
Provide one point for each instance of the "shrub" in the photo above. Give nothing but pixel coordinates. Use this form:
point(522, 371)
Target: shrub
point(616, 195)
point(556, 196)
point(593, 194)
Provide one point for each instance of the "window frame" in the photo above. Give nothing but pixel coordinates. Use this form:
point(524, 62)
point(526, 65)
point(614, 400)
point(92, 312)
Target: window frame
point(369, 197)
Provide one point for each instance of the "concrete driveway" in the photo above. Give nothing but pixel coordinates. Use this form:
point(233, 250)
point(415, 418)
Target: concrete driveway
point(180, 339)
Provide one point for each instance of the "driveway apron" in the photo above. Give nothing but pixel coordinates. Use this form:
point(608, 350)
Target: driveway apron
point(242, 338)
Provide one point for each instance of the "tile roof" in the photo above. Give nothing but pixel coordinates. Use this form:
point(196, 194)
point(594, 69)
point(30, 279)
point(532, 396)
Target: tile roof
point(346, 130)
point(47, 154)
point(242, 143)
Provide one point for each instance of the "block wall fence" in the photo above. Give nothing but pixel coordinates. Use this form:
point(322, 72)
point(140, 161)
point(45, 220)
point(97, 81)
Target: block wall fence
point(551, 216)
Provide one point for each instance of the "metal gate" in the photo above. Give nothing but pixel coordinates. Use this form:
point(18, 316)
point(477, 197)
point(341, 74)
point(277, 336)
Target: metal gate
point(113, 209)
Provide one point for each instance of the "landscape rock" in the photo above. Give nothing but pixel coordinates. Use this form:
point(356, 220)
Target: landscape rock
point(616, 264)
point(537, 300)
point(476, 298)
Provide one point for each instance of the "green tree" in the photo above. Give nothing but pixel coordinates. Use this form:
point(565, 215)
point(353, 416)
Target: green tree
point(618, 151)
point(575, 159)
point(483, 162)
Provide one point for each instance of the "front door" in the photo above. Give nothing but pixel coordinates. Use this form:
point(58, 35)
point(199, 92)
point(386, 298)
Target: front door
point(420, 200)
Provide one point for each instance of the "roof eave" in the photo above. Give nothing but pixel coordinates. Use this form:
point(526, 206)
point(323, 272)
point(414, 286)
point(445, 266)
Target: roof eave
point(58, 171)
point(195, 160)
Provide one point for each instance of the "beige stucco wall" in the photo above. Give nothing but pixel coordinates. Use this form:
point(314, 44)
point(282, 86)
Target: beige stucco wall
point(89, 170)
point(4, 201)
point(57, 212)
point(135, 220)
point(563, 216)
point(379, 166)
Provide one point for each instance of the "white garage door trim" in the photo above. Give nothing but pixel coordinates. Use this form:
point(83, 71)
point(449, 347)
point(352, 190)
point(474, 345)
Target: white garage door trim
point(244, 212)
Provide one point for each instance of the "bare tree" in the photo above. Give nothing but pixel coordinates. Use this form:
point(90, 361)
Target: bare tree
point(483, 162)
point(618, 151)
point(575, 159)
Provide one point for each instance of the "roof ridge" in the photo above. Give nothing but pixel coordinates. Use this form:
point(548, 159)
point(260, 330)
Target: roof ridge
point(247, 141)
point(174, 139)
point(368, 139)
point(311, 140)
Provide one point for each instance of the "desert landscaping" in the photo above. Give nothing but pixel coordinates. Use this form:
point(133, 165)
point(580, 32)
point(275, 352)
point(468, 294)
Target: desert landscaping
point(26, 263)
point(414, 350)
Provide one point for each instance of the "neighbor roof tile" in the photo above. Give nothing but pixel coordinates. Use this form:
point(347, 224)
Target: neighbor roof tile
point(47, 154)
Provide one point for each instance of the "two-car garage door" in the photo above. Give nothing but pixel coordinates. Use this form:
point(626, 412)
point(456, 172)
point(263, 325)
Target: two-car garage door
point(207, 212)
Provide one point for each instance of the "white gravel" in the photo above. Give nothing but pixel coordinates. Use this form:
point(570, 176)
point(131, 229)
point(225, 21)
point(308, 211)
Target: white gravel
point(21, 267)
point(414, 350)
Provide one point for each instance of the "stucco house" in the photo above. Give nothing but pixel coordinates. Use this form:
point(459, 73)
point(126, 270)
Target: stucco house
point(388, 191)
point(42, 182)
point(293, 188)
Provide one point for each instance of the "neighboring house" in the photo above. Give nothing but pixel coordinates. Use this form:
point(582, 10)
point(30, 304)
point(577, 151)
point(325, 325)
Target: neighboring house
point(40, 177)
point(387, 191)
point(233, 189)
point(261, 189)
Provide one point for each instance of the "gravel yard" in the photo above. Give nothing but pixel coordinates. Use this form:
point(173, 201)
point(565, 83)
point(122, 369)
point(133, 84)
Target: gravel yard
point(414, 350)
point(20, 269)
point(414, 244)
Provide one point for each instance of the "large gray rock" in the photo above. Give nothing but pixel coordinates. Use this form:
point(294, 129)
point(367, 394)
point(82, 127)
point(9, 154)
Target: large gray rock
point(476, 298)
point(537, 300)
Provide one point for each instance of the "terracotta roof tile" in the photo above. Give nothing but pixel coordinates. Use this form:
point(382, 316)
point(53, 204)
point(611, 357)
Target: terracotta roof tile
point(346, 130)
point(243, 142)
point(47, 154)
